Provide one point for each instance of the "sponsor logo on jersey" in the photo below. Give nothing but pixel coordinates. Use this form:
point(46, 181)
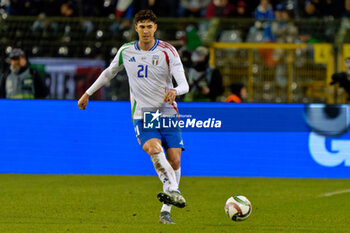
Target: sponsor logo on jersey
point(155, 60)
point(132, 59)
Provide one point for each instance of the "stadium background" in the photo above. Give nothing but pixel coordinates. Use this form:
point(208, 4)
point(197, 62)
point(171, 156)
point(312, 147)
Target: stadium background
point(239, 52)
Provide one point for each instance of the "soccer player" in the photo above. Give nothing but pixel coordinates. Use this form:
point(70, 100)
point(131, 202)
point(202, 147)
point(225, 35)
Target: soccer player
point(150, 65)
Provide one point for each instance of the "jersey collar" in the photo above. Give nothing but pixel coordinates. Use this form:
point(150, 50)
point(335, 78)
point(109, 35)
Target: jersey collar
point(136, 45)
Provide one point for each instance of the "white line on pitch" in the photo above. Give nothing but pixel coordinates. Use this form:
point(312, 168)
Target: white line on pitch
point(334, 193)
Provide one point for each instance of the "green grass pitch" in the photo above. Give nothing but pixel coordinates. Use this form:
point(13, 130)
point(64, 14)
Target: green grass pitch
point(75, 203)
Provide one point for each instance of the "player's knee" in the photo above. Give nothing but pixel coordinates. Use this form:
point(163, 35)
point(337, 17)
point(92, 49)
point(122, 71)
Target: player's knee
point(153, 150)
point(152, 147)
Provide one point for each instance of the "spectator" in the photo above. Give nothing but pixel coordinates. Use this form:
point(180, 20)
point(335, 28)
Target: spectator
point(22, 81)
point(241, 10)
point(205, 81)
point(283, 30)
point(238, 93)
point(162, 8)
point(68, 9)
point(194, 8)
point(264, 11)
point(311, 9)
point(220, 8)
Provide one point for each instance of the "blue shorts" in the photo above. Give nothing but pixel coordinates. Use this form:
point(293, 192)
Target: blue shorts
point(171, 138)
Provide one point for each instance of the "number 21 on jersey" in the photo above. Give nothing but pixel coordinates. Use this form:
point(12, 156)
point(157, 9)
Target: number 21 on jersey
point(142, 71)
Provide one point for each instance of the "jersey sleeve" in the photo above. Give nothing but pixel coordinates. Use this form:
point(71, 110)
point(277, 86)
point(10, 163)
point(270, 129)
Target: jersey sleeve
point(177, 71)
point(109, 73)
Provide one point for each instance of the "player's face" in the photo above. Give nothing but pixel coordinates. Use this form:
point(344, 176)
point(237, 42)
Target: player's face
point(146, 30)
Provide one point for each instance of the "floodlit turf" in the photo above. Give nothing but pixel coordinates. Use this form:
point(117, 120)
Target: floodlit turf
point(51, 203)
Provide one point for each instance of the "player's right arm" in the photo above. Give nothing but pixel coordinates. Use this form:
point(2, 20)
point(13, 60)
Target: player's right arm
point(109, 73)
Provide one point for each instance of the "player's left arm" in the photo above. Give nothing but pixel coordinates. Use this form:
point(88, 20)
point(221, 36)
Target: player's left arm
point(178, 72)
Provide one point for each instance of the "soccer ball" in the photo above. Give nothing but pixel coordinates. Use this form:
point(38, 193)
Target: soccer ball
point(238, 208)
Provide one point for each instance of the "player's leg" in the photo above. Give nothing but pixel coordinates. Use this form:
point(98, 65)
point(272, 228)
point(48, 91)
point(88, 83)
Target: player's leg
point(173, 156)
point(166, 173)
point(150, 142)
point(173, 144)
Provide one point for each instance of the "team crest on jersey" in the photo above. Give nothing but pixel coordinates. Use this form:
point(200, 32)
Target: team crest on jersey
point(155, 59)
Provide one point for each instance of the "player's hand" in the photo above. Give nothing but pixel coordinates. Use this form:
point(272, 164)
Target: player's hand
point(170, 96)
point(83, 101)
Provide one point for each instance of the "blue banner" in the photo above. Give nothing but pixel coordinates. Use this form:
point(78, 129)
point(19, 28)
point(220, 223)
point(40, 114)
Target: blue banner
point(54, 137)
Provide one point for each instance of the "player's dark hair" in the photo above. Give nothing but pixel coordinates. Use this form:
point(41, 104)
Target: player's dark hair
point(145, 15)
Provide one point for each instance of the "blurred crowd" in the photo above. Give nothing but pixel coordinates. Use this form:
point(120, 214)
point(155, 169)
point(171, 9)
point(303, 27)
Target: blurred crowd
point(260, 9)
point(268, 21)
